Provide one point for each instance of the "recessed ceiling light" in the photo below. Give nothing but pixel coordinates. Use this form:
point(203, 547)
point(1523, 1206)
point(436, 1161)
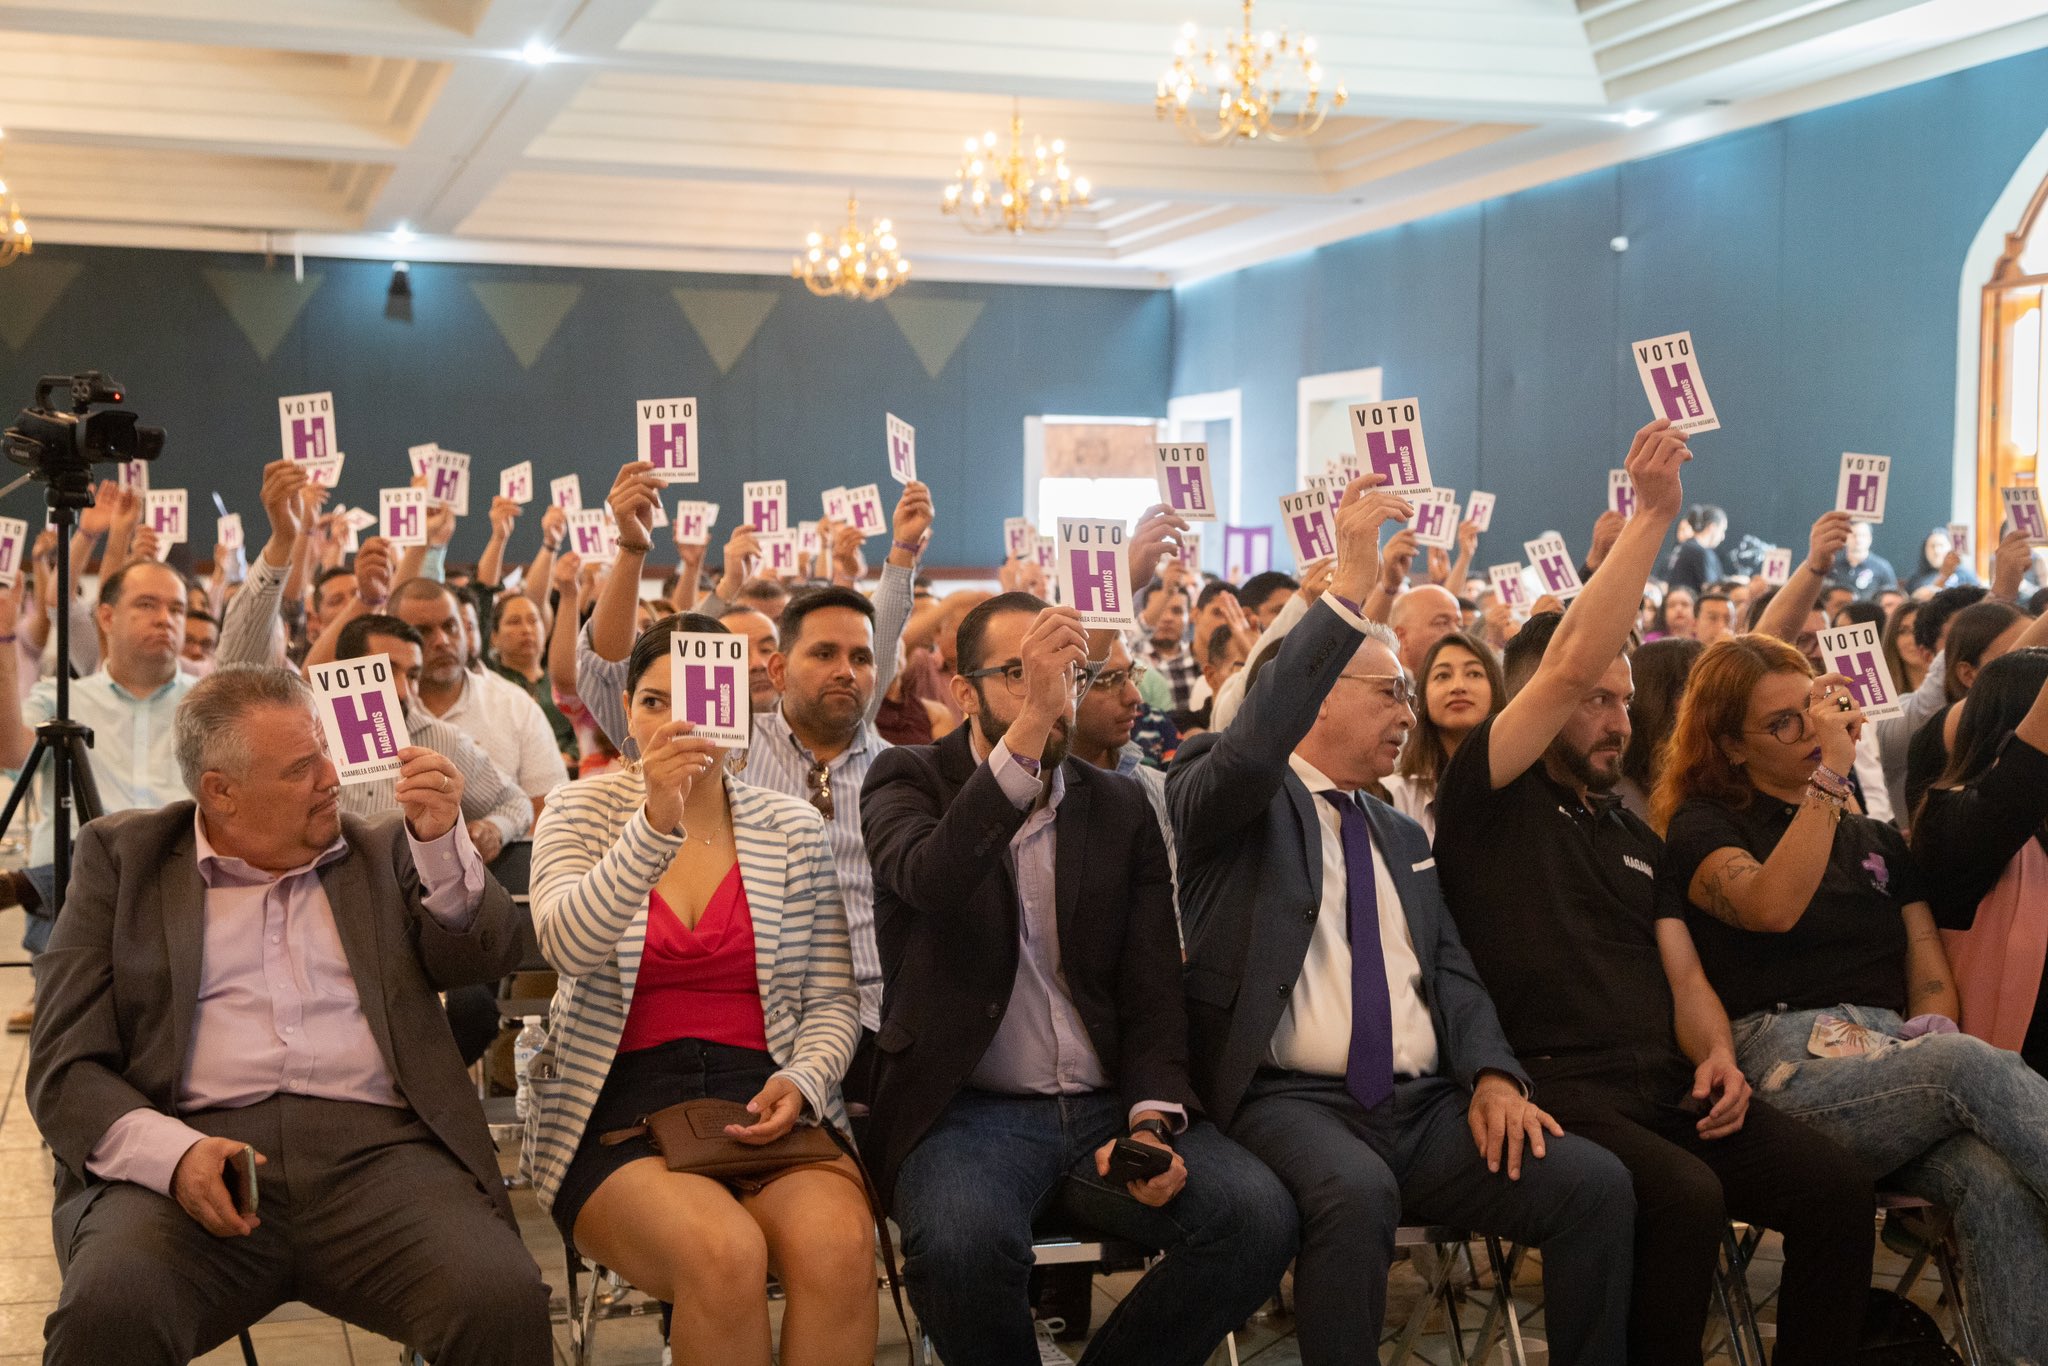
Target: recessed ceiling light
point(1635, 118)
point(536, 53)
point(402, 233)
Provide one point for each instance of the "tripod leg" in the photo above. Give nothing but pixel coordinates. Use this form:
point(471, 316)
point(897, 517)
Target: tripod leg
point(22, 784)
point(85, 791)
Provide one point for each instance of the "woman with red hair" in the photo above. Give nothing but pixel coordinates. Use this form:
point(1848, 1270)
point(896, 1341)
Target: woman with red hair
point(1813, 924)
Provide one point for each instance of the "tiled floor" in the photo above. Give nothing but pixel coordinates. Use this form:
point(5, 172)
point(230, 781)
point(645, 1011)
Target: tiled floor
point(297, 1336)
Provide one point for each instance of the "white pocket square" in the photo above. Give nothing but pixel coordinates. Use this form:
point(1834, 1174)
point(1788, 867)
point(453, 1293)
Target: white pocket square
point(1426, 863)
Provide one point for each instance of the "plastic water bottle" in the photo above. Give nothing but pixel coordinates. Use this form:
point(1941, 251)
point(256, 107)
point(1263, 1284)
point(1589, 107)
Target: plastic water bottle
point(532, 1038)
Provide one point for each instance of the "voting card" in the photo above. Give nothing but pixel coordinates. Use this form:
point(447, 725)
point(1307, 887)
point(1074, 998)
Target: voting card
point(1046, 552)
point(163, 511)
point(902, 449)
point(359, 711)
point(838, 504)
point(668, 437)
point(306, 425)
point(1479, 510)
point(227, 531)
point(693, 523)
point(1854, 651)
point(516, 483)
point(1093, 579)
point(402, 516)
point(864, 510)
point(355, 521)
point(1777, 565)
point(1861, 488)
point(1621, 493)
point(1959, 538)
point(765, 503)
point(1388, 438)
point(1556, 572)
point(1020, 538)
point(1436, 518)
point(324, 470)
point(417, 456)
point(566, 493)
point(13, 550)
point(1184, 484)
point(778, 552)
point(447, 474)
point(1670, 370)
point(1311, 526)
point(708, 685)
point(1247, 550)
point(133, 476)
point(1511, 588)
point(807, 541)
point(2023, 510)
point(588, 538)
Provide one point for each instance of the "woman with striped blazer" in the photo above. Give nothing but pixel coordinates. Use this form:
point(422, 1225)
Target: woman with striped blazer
point(696, 925)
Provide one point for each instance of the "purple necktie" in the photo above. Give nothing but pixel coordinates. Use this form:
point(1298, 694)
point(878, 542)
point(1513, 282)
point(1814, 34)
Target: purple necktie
point(1369, 1074)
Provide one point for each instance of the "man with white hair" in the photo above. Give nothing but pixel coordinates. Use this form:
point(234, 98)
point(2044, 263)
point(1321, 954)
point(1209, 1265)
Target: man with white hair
point(245, 983)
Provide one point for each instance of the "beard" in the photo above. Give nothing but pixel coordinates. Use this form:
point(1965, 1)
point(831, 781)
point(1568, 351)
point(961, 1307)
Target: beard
point(1058, 741)
point(1596, 770)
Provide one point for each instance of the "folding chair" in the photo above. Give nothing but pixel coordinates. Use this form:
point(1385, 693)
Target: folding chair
point(1938, 1244)
point(1441, 1292)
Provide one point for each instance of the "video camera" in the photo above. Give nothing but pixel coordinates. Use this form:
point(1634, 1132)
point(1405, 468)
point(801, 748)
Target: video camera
point(61, 447)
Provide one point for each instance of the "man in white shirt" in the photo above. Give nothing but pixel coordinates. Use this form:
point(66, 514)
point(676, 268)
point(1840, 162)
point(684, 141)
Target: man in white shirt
point(1337, 1026)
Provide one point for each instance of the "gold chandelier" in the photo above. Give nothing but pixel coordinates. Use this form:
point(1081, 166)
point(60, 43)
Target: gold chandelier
point(14, 235)
point(853, 265)
point(1013, 193)
point(1242, 81)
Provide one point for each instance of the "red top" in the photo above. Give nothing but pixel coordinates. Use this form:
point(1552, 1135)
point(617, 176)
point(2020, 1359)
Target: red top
point(701, 983)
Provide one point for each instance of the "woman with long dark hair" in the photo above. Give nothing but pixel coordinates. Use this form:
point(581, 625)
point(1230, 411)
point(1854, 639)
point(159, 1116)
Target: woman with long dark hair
point(1982, 836)
point(1814, 927)
point(1461, 685)
point(1662, 668)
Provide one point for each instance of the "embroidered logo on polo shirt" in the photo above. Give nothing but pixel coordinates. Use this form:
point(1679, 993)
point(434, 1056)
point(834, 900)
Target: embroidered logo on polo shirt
point(1645, 869)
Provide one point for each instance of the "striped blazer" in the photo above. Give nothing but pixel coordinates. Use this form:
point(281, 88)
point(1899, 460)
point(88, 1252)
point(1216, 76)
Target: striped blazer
point(595, 859)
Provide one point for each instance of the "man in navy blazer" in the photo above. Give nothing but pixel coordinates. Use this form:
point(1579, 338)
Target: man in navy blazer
point(1366, 1068)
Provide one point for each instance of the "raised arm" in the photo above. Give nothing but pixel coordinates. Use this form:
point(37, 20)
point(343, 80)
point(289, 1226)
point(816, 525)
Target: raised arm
point(1598, 622)
point(1395, 561)
point(373, 590)
point(632, 500)
point(248, 629)
point(490, 566)
point(539, 574)
point(1786, 616)
point(566, 627)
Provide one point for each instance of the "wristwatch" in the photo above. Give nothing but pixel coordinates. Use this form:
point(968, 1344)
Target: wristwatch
point(1158, 1128)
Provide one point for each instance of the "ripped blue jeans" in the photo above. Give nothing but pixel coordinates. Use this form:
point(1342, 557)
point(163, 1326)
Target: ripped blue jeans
point(1948, 1118)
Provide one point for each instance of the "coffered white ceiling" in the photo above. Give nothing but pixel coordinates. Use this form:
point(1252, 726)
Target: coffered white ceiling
point(712, 134)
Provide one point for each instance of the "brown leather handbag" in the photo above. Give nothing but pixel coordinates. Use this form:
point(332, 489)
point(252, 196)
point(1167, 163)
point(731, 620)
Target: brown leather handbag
point(691, 1138)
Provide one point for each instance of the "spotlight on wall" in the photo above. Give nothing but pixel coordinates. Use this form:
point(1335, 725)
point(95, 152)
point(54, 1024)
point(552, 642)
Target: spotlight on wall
point(398, 295)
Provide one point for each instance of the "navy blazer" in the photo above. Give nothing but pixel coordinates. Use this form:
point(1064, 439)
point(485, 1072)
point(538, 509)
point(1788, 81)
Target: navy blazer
point(1251, 881)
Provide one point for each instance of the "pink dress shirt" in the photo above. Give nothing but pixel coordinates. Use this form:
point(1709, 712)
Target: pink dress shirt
point(278, 1011)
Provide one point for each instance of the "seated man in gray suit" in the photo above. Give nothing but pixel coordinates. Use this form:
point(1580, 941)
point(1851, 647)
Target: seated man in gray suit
point(1338, 1028)
point(259, 971)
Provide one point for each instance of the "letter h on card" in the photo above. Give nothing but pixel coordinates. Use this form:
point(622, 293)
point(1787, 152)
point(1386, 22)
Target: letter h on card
point(1096, 588)
point(365, 729)
point(1865, 679)
point(1675, 393)
point(1185, 485)
point(707, 694)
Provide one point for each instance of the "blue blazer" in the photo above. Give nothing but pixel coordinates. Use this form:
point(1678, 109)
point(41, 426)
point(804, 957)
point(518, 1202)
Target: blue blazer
point(1251, 881)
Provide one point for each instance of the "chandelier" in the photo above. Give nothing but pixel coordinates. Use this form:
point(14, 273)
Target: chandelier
point(853, 265)
point(1242, 81)
point(1014, 193)
point(14, 235)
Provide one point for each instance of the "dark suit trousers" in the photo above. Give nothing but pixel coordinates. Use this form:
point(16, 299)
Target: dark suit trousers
point(365, 1216)
point(1773, 1171)
point(1357, 1175)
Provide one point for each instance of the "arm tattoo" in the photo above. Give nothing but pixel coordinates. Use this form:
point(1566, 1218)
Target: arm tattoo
point(1724, 882)
point(1933, 986)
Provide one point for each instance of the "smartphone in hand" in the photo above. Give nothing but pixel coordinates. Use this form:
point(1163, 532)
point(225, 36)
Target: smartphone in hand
point(239, 1175)
point(1131, 1160)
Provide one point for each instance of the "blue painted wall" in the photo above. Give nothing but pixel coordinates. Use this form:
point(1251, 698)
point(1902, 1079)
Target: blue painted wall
point(1815, 260)
point(805, 400)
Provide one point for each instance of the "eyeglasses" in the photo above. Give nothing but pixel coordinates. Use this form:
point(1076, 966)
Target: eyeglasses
point(1013, 678)
point(1113, 680)
point(1396, 691)
point(1787, 727)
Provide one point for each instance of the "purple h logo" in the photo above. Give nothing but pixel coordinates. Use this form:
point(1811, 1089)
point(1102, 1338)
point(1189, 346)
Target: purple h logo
point(445, 481)
point(1556, 571)
point(405, 521)
point(1429, 518)
point(1675, 394)
point(1096, 587)
point(589, 541)
point(690, 524)
point(1184, 488)
point(365, 729)
point(1862, 493)
point(863, 513)
point(1312, 533)
point(10, 555)
point(2027, 517)
point(309, 438)
point(165, 518)
point(764, 511)
point(1625, 499)
point(1392, 453)
point(1513, 592)
point(1860, 669)
point(668, 445)
point(707, 695)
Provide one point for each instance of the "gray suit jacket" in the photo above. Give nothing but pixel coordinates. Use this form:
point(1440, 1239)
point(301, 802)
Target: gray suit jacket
point(1251, 881)
point(118, 987)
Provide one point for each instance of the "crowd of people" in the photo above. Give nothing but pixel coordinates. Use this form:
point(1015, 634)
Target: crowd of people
point(1310, 907)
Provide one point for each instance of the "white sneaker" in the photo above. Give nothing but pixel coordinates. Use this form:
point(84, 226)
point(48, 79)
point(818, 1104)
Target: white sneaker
point(1049, 1353)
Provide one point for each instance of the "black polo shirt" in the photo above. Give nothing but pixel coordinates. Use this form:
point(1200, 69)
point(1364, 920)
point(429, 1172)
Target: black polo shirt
point(1557, 904)
point(1849, 948)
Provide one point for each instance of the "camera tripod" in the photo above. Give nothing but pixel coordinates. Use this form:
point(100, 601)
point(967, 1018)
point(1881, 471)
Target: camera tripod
point(62, 740)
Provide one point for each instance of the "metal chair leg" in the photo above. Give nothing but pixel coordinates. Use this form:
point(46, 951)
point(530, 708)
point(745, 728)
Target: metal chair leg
point(1952, 1285)
point(1502, 1311)
point(1438, 1293)
point(248, 1349)
point(1731, 1289)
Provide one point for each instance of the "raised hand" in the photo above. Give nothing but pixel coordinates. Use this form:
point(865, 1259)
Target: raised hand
point(1655, 458)
point(1361, 513)
point(913, 518)
point(1158, 533)
point(566, 568)
point(374, 568)
point(1397, 559)
point(2009, 565)
point(554, 525)
point(504, 515)
point(742, 553)
point(1832, 711)
point(429, 792)
point(632, 498)
point(1830, 533)
point(671, 764)
point(1607, 528)
point(283, 496)
point(1052, 650)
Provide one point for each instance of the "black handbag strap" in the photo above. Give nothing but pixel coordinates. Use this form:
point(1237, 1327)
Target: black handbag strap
point(881, 1218)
